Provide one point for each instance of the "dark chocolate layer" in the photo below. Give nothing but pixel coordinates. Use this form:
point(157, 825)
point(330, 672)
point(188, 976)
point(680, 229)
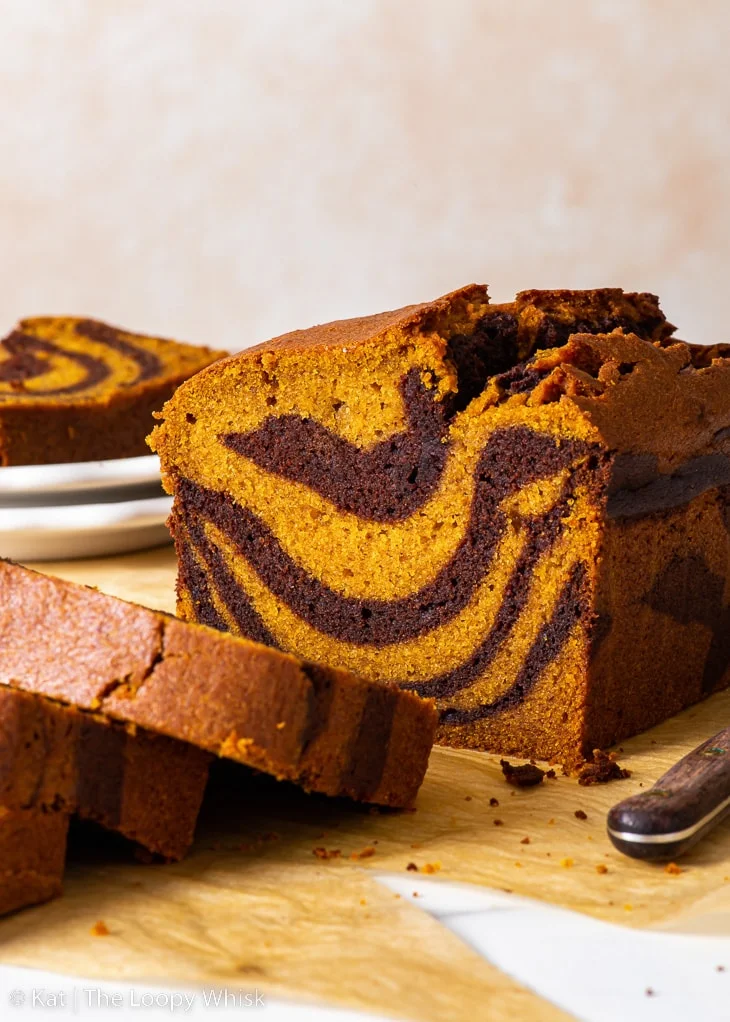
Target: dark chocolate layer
point(371, 747)
point(100, 757)
point(148, 363)
point(638, 488)
point(192, 578)
point(554, 333)
point(571, 608)
point(234, 598)
point(510, 460)
point(490, 350)
point(688, 591)
point(384, 484)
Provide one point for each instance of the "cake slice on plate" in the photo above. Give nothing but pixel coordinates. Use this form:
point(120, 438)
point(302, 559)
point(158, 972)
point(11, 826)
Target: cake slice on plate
point(79, 390)
point(520, 510)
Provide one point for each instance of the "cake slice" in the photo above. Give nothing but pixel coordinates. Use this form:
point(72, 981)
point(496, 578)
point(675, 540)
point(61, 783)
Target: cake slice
point(520, 510)
point(79, 390)
point(322, 728)
point(56, 761)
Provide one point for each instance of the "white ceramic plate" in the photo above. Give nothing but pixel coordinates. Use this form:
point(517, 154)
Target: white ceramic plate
point(83, 530)
point(74, 477)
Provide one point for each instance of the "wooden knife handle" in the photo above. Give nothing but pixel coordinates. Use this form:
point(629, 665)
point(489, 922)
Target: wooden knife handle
point(691, 798)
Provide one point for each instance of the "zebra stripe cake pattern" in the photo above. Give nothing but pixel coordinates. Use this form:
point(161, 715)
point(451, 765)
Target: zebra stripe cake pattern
point(430, 497)
point(77, 389)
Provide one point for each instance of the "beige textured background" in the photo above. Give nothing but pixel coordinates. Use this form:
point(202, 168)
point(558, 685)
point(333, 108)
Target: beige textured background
point(224, 171)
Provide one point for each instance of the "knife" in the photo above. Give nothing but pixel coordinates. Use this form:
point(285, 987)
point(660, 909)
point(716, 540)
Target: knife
point(689, 800)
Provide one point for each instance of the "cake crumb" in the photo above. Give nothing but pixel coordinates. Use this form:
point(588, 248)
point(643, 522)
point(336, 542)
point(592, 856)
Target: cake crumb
point(412, 867)
point(601, 868)
point(498, 823)
point(673, 869)
point(281, 725)
point(494, 801)
point(580, 815)
point(525, 841)
point(525, 776)
point(416, 894)
point(649, 992)
point(366, 853)
point(100, 929)
point(431, 867)
point(324, 853)
point(602, 769)
point(719, 968)
point(551, 774)
point(566, 863)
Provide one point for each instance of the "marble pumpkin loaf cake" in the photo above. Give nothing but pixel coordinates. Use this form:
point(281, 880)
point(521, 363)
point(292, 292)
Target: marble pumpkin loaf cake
point(521, 510)
point(80, 390)
point(322, 728)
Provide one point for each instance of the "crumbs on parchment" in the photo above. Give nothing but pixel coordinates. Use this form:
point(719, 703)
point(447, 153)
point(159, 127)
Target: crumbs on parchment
point(602, 769)
point(525, 776)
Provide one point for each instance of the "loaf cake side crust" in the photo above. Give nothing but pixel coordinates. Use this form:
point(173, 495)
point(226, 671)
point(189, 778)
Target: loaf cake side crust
point(325, 729)
point(76, 389)
point(32, 856)
point(430, 499)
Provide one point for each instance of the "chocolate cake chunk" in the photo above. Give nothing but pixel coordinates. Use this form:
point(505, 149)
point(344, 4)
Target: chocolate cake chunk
point(519, 510)
point(79, 390)
point(56, 761)
point(322, 728)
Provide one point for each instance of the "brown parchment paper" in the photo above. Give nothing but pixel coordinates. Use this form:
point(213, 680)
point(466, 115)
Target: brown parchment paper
point(254, 904)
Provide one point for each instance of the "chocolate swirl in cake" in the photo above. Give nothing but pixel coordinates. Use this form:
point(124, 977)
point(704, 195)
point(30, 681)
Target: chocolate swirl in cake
point(149, 364)
point(511, 460)
point(24, 364)
point(33, 357)
point(384, 484)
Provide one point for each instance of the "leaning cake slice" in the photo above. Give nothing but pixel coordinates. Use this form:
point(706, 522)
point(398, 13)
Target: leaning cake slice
point(56, 761)
point(79, 390)
point(520, 510)
point(322, 728)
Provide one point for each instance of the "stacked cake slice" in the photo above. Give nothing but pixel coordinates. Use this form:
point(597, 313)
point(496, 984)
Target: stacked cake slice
point(82, 674)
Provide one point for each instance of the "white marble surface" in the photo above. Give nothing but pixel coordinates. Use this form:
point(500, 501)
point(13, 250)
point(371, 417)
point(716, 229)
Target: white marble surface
point(595, 971)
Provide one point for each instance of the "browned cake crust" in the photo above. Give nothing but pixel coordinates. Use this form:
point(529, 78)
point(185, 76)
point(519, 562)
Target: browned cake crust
point(519, 510)
point(56, 761)
point(325, 729)
point(79, 390)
